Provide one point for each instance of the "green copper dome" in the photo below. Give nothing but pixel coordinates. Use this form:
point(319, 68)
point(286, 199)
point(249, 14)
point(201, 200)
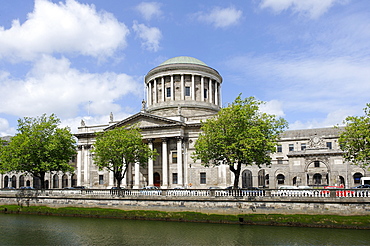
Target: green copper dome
point(182, 60)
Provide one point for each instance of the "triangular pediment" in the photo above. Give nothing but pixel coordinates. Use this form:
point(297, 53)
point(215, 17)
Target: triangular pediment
point(145, 120)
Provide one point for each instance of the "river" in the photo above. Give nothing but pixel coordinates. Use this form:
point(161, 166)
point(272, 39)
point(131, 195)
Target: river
point(53, 230)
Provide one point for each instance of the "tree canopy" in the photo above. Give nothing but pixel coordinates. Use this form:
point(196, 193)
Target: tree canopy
point(239, 134)
point(39, 147)
point(116, 149)
point(355, 139)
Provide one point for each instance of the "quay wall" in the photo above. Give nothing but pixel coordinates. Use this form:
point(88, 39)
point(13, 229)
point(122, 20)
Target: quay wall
point(208, 205)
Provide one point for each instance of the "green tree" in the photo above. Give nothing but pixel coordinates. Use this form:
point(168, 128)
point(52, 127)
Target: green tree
point(39, 147)
point(116, 149)
point(355, 139)
point(239, 134)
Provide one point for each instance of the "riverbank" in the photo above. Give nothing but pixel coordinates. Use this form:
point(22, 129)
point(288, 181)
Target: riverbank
point(299, 220)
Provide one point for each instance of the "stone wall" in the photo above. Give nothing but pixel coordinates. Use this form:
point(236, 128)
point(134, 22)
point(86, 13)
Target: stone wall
point(216, 205)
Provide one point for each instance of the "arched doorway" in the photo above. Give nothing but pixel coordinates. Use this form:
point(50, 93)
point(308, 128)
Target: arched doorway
point(295, 181)
point(247, 179)
point(317, 178)
point(267, 179)
point(157, 179)
point(28, 183)
point(64, 181)
point(341, 181)
point(357, 178)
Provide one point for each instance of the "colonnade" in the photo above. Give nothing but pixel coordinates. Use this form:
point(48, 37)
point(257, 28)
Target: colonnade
point(84, 162)
point(160, 90)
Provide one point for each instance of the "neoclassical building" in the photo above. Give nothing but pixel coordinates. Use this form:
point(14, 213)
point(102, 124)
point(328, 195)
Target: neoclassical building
point(181, 92)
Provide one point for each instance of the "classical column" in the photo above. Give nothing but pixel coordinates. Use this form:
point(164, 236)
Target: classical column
point(179, 162)
point(182, 88)
point(79, 165)
point(202, 89)
point(172, 90)
point(155, 91)
point(111, 179)
point(164, 163)
point(216, 93)
point(163, 90)
point(86, 167)
point(150, 93)
point(192, 88)
point(150, 165)
point(137, 176)
point(210, 90)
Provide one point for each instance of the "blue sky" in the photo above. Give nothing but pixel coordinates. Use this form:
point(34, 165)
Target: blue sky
point(82, 59)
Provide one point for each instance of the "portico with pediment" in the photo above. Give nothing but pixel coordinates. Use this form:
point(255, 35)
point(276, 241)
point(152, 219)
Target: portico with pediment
point(181, 92)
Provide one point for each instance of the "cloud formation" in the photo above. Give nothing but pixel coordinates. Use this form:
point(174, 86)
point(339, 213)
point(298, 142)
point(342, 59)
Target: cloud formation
point(221, 17)
point(53, 86)
point(149, 36)
point(311, 8)
point(149, 10)
point(58, 28)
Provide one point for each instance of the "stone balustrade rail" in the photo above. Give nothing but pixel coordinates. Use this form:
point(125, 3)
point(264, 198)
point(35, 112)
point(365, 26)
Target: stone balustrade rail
point(240, 193)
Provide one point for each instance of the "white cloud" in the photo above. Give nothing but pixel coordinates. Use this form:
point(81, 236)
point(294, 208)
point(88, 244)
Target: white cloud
point(150, 36)
point(308, 87)
point(52, 86)
point(311, 8)
point(58, 27)
point(221, 17)
point(5, 129)
point(273, 107)
point(149, 9)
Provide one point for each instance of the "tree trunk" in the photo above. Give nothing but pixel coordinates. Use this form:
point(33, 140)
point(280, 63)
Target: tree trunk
point(42, 180)
point(236, 173)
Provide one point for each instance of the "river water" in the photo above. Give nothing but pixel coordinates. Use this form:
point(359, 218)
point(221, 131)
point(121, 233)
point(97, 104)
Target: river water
point(53, 230)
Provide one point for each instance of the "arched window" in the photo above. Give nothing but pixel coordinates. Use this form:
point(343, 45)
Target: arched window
point(74, 180)
point(295, 181)
point(267, 178)
point(21, 181)
point(317, 177)
point(14, 181)
point(6, 181)
point(55, 181)
point(341, 180)
point(280, 179)
point(247, 179)
point(261, 178)
point(357, 178)
point(64, 181)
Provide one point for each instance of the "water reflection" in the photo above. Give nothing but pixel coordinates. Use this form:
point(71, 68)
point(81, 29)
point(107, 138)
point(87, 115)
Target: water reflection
point(47, 230)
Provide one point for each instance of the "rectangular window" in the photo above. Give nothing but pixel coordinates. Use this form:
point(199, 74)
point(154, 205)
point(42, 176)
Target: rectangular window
point(101, 179)
point(328, 144)
point(168, 92)
point(317, 164)
point(280, 161)
point(203, 178)
point(205, 93)
point(291, 147)
point(174, 178)
point(174, 157)
point(279, 148)
point(187, 91)
point(303, 146)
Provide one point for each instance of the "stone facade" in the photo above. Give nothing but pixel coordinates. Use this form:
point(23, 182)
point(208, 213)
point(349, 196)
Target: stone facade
point(181, 92)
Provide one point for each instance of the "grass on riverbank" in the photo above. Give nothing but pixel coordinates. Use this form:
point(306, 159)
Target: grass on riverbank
point(334, 221)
